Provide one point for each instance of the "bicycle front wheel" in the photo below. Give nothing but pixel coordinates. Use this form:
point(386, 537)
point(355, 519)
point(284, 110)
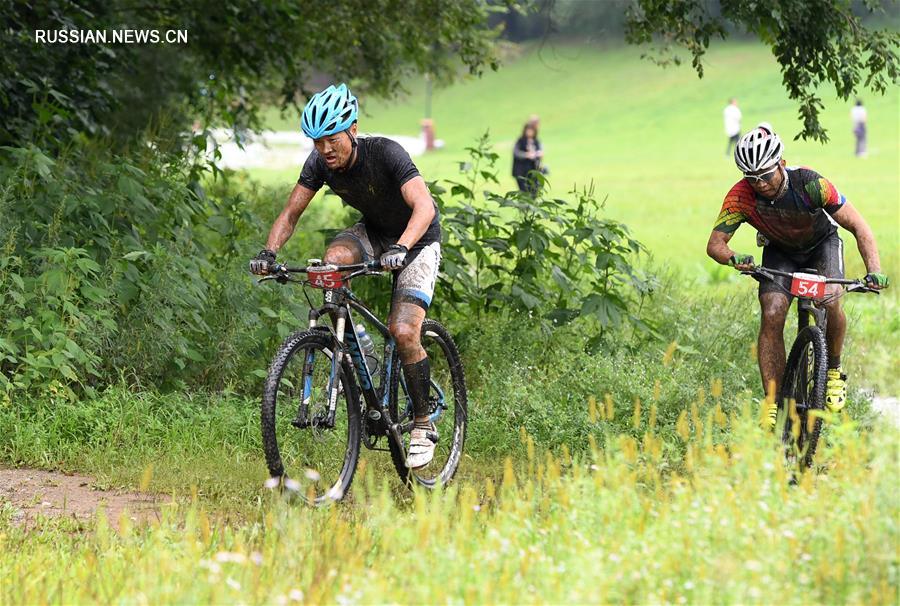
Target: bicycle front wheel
point(448, 403)
point(802, 396)
point(311, 419)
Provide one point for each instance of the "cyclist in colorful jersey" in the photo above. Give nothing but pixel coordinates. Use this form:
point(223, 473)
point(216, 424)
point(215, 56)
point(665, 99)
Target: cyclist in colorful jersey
point(796, 213)
point(399, 226)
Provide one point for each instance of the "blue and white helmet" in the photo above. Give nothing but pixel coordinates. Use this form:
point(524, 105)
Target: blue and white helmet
point(330, 111)
point(759, 149)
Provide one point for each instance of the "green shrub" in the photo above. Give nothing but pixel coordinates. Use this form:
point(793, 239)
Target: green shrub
point(518, 253)
point(124, 266)
point(54, 321)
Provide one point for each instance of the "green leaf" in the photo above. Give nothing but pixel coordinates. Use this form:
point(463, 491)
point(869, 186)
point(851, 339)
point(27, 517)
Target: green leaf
point(527, 299)
point(136, 254)
point(56, 280)
point(67, 371)
point(88, 265)
point(220, 224)
point(194, 355)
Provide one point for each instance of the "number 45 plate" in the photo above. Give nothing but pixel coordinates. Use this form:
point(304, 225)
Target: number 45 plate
point(809, 286)
point(326, 279)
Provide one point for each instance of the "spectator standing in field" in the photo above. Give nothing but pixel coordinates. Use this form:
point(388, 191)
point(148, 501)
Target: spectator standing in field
point(527, 155)
point(732, 115)
point(858, 116)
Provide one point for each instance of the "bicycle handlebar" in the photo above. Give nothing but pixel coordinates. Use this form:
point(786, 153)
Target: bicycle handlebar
point(765, 272)
point(316, 265)
point(281, 272)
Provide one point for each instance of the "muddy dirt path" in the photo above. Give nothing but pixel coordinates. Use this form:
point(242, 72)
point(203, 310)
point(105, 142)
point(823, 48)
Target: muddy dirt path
point(35, 493)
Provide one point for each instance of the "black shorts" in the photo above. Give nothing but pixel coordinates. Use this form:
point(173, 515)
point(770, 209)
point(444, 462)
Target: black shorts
point(827, 259)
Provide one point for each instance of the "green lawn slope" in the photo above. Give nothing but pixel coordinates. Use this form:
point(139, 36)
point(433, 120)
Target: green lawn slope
point(650, 138)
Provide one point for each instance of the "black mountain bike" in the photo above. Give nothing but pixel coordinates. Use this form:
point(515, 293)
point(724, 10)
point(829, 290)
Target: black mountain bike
point(801, 397)
point(324, 395)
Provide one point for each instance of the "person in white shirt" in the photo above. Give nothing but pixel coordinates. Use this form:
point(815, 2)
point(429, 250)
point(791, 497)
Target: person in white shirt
point(858, 116)
point(732, 116)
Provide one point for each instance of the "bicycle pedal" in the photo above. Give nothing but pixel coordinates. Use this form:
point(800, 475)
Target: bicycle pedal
point(329, 420)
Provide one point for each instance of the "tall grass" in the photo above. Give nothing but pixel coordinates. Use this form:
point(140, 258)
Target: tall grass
point(611, 525)
point(518, 378)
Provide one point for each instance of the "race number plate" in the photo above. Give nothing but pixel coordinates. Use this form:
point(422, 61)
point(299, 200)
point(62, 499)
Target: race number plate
point(326, 279)
point(808, 286)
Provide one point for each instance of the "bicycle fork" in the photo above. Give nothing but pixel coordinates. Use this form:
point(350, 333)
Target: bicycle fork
point(302, 420)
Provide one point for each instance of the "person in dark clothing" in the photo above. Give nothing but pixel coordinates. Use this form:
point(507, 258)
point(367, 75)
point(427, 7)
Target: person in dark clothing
point(400, 226)
point(859, 117)
point(527, 156)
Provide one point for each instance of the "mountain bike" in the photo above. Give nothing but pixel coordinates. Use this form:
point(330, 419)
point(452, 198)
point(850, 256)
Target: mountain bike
point(325, 394)
point(801, 397)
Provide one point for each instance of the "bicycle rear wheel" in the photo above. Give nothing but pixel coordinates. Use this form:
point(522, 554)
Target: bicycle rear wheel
point(802, 396)
point(310, 453)
point(449, 410)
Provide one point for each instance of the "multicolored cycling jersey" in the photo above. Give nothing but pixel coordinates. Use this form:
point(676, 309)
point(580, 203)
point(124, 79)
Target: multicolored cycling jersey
point(798, 221)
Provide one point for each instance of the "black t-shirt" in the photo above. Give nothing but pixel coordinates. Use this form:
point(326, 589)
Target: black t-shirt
point(372, 186)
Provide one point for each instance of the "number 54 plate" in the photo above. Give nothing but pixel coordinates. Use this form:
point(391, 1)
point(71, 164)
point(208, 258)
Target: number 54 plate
point(809, 286)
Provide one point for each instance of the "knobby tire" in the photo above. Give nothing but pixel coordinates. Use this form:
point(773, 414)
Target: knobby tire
point(804, 381)
point(279, 400)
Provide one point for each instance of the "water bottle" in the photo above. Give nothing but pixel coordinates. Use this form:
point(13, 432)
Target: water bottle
point(366, 345)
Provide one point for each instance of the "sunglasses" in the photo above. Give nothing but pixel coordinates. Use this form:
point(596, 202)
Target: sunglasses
point(766, 176)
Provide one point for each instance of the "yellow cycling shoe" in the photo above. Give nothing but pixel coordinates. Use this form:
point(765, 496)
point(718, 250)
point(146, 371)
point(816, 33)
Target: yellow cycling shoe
point(836, 389)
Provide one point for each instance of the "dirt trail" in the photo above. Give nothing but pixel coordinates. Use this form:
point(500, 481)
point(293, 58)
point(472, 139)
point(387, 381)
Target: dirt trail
point(52, 494)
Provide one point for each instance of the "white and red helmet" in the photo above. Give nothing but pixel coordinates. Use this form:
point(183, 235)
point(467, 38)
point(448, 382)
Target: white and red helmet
point(759, 149)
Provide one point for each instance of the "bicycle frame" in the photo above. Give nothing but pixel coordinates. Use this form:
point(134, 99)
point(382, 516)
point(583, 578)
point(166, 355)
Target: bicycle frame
point(340, 303)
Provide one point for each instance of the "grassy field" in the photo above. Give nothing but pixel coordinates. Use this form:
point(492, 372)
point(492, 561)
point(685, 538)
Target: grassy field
point(649, 138)
point(664, 490)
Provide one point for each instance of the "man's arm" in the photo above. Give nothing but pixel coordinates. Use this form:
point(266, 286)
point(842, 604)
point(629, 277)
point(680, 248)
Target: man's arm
point(718, 249)
point(418, 198)
point(849, 218)
point(286, 222)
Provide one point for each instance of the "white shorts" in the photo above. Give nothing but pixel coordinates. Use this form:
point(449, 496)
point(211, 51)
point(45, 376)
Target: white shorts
point(415, 282)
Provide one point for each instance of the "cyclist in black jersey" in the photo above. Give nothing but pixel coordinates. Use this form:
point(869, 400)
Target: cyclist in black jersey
point(400, 226)
point(796, 213)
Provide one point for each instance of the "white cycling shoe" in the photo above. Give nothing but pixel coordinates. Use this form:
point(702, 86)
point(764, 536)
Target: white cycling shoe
point(422, 441)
